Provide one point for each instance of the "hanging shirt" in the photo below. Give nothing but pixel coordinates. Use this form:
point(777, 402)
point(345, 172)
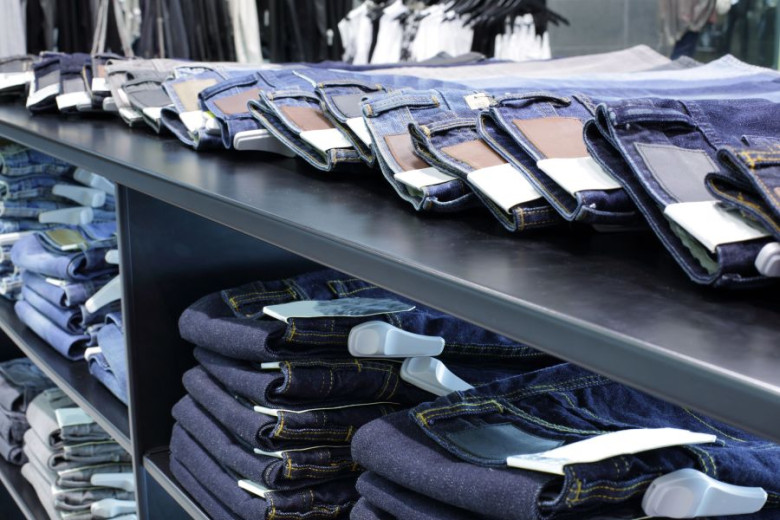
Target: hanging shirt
point(390, 36)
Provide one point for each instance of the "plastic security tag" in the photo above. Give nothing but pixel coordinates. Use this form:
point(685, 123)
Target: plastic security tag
point(380, 339)
point(280, 454)
point(504, 185)
point(357, 125)
point(602, 447)
point(192, 120)
point(16, 79)
point(342, 307)
point(72, 417)
point(713, 225)
point(73, 99)
point(38, 96)
point(254, 488)
point(578, 174)
point(324, 140)
point(419, 179)
point(100, 85)
point(153, 113)
point(478, 101)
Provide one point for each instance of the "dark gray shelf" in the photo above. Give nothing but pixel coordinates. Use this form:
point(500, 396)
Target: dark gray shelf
point(21, 492)
point(157, 465)
point(72, 377)
point(616, 303)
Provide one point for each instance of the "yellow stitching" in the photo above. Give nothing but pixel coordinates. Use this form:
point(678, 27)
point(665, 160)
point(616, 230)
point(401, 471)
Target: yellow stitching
point(711, 427)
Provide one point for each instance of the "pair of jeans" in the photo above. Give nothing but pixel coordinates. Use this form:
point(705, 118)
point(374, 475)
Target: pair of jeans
point(62, 293)
point(20, 382)
point(73, 320)
point(363, 510)
point(290, 469)
point(231, 323)
point(324, 501)
point(287, 429)
point(70, 345)
point(750, 182)
point(55, 74)
point(81, 476)
point(28, 209)
point(109, 366)
point(42, 417)
point(120, 72)
point(643, 142)
point(36, 186)
point(32, 252)
point(20, 161)
point(71, 456)
point(146, 96)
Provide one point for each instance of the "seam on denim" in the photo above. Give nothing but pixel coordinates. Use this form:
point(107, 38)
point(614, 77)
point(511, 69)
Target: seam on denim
point(711, 427)
point(427, 416)
point(644, 481)
point(740, 200)
point(698, 453)
point(654, 170)
point(753, 158)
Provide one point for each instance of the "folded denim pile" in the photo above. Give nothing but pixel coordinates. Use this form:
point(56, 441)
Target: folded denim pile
point(77, 470)
point(448, 459)
point(20, 382)
point(271, 408)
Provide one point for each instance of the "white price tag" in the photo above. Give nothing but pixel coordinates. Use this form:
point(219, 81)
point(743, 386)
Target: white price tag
point(578, 174)
point(324, 140)
point(504, 185)
point(73, 99)
point(193, 120)
point(358, 125)
point(38, 96)
point(421, 178)
point(712, 225)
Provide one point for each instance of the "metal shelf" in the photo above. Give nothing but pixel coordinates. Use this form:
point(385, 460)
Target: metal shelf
point(157, 465)
point(21, 491)
point(615, 303)
point(72, 377)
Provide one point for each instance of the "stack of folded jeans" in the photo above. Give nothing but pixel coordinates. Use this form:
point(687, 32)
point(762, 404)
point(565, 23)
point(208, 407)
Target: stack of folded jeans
point(108, 360)
point(274, 404)
point(20, 382)
point(74, 465)
point(447, 459)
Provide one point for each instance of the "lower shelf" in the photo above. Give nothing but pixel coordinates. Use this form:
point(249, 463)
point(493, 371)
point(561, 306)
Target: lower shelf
point(21, 491)
point(72, 377)
point(157, 465)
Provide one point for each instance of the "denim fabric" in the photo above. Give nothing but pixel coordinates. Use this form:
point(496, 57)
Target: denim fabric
point(12, 427)
point(399, 502)
point(120, 72)
point(292, 470)
point(19, 161)
point(365, 511)
point(72, 456)
point(304, 384)
point(411, 459)
point(81, 476)
point(110, 366)
point(15, 226)
point(17, 63)
point(30, 252)
point(20, 381)
point(287, 429)
point(617, 137)
point(27, 187)
point(12, 451)
point(42, 487)
point(430, 141)
point(68, 344)
point(750, 182)
point(231, 323)
point(317, 502)
point(61, 69)
point(28, 208)
point(43, 420)
point(147, 96)
point(101, 370)
point(204, 497)
point(64, 294)
point(74, 320)
point(568, 404)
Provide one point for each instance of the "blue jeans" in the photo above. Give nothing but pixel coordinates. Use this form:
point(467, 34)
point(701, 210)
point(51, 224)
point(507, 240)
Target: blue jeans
point(19, 161)
point(63, 69)
point(330, 501)
point(28, 209)
point(363, 510)
point(20, 381)
point(64, 294)
point(70, 345)
point(287, 430)
point(292, 470)
point(750, 182)
point(565, 404)
point(33, 253)
point(74, 320)
point(36, 186)
point(110, 366)
point(212, 504)
point(638, 142)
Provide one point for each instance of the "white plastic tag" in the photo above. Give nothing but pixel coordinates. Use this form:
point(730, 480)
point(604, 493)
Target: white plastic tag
point(504, 185)
point(711, 224)
point(73, 99)
point(324, 140)
point(100, 85)
point(72, 417)
point(274, 412)
point(15, 79)
point(271, 365)
point(128, 114)
point(153, 113)
point(419, 179)
point(602, 447)
point(578, 174)
point(37, 96)
point(192, 120)
point(280, 454)
point(351, 307)
point(478, 101)
point(253, 487)
point(358, 125)
point(57, 282)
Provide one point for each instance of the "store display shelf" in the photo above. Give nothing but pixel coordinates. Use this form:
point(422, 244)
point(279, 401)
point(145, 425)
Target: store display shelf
point(72, 377)
point(157, 464)
point(614, 303)
point(21, 491)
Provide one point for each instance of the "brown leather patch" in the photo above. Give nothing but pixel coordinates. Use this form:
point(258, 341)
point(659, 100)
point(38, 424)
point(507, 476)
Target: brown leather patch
point(554, 137)
point(188, 92)
point(403, 151)
point(476, 154)
point(236, 104)
point(307, 118)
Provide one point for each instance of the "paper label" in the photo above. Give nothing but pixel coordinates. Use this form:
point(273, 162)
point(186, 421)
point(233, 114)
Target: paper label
point(192, 120)
point(100, 85)
point(274, 412)
point(324, 140)
point(72, 417)
point(280, 454)
point(602, 447)
point(342, 307)
point(153, 113)
point(17, 79)
point(358, 125)
point(478, 101)
point(65, 101)
point(712, 225)
point(419, 179)
point(504, 185)
point(253, 487)
point(578, 174)
point(38, 96)
point(128, 114)
point(261, 141)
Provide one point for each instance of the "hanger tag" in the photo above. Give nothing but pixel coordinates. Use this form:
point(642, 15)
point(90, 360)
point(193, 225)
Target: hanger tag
point(342, 307)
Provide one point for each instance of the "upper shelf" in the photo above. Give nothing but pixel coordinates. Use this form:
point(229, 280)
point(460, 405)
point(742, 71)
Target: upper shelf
point(614, 303)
